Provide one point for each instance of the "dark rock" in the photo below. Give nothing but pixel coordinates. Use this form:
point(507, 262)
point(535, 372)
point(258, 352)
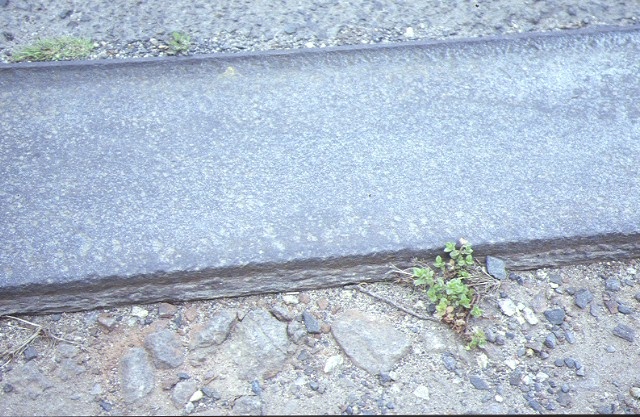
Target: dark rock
point(183, 376)
point(612, 306)
point(500, 341)
point(215, 331)
point(105, 405)
point(515, 378)
point(583, 297)
point(612, 284)
point(570, 290)
point(637, 297)
point(535, 405)
point(510, 335)
point(517, 278)
point(166, 310)
point(7, 388)
point(385, 377)
point(310, 322)
point(503, 294)
point(555, 316)
point(449, 362)
point(165, 349)
point(314, 385)
point(556, 279)
point(570, 362)
point(479, 383)
point(625, 332)
point(371, 343)
point(544, 355)
point(64, 14)
point(623, 309)
point(256, 388)
point(496, 268)
point(551, 341)
point(30, 353)
point(137, 376)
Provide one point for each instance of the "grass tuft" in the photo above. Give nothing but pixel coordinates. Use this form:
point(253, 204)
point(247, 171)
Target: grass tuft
point(57, 49)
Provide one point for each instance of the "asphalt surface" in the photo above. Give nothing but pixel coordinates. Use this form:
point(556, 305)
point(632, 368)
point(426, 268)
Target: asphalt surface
point(215, 176)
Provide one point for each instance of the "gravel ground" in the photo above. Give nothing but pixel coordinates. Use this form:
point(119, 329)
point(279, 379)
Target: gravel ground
point(80, 362)
point(142, 28)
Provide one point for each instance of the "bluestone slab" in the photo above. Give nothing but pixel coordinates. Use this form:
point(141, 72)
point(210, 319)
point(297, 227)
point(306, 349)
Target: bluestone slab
point(216, 176)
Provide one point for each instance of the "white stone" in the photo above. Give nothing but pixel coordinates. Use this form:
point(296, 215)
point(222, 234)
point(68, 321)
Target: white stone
point(541, 377)
point(507, 307)
point(482, 360)
point(530, 316)
point(332, 363)
point(553, 285)
point(394, 375)
point(309, 44)
point(290, 299)
point(139, 312)
point(409, 33)
point(520, 306)
point(632, 271)
point(520, 319)
point(499, 398)
point(419, 305)
point(197, 396)
point(422, 392)
point(511, 363)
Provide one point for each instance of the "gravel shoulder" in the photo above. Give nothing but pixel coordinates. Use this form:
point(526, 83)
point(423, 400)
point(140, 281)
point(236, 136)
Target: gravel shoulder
point(204, 358)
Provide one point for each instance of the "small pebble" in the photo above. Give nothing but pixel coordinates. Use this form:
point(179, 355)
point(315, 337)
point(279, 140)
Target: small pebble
point(550, 341)
point(559, 363)
point(635, 392)
point(510, 335)
point(517, 278)
point(7, 388)
point(637, 297)
point(570, 336)
point(535, 405)
point(183, 375)
point(106, 406)
point(391, 406)
point(580, 372)
point(500, 340)
point(314, 385)
point(623, 309)
point(256, 388)
point(570, 362)
point(612, 284)
point(564, 388)
point(30, 353)
point(555, 316)
point(611, 349)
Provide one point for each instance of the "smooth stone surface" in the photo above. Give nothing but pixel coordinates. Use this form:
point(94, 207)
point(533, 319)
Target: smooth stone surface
point(137, 377)
point(262, 178)
point(372, 344)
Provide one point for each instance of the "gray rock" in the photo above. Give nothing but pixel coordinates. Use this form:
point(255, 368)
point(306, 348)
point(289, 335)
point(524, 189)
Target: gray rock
point(559, 363)
point(296, 331)
point(612, 284)
point(215, 331)
point(258, 346)
point(165, 348)
point(182, 392)
point(570, 336)
point(310, 322)
point(496, 268)
point(66, 350)
point(570, 362)
point(555, 316)
point(623, 309)
point(372, 344)
point(551, 341)
point(479, 383)
point(30, 353)
point(564, 399)
point(247, 406)
point(29, 379)
point(535, 405)
point(516, 377)
point(137, 378)
point(595, 310)
point(534, 345)
point(281, 313)
point(637, 297)
point(625, 332)
point(583, 297)
point(581, 372)
point(69, 369)
point(449, 362)
point(556, 279)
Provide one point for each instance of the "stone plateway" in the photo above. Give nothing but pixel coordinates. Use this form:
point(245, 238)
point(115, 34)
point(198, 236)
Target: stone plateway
point(208, 177)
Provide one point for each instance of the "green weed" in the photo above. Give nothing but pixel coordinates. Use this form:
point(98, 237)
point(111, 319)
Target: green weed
point(179, 43)
point(57, 49)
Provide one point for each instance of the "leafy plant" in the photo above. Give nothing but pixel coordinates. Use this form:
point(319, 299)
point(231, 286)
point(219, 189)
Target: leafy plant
point(57, 49)
point(478, 339)
point(179, 43)
point(449, 289)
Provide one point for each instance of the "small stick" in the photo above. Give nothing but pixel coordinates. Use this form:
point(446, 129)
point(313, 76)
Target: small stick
point(392, 303)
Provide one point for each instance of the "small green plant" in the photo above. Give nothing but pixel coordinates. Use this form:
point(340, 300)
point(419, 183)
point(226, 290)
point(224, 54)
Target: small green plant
point(449, 289)
point(57, 49)
point(478, 339)
point(179, 43)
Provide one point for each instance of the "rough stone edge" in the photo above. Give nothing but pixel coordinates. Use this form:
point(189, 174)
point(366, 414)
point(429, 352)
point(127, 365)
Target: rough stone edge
point(274, 53)
point(91, 293)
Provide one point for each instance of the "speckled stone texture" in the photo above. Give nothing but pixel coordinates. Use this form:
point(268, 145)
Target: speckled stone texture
point(205, 177)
